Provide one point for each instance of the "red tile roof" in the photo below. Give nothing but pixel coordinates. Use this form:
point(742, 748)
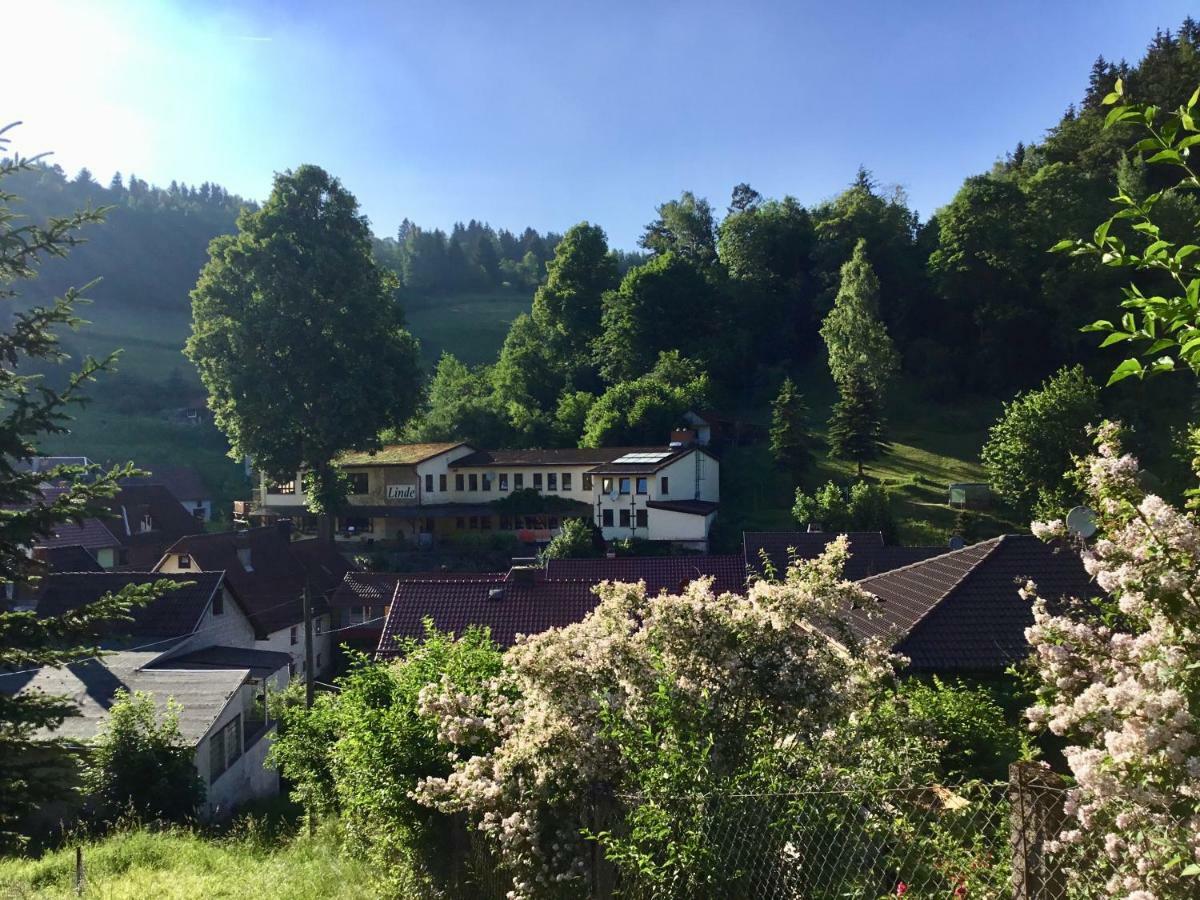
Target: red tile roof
point(960, 611)
point(454, 604)
point(670, 573)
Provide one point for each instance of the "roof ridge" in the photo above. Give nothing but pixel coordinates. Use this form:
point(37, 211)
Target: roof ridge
point(996, 542)
point(921, 562)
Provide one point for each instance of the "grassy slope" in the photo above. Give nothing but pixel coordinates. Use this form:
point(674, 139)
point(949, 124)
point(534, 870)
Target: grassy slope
point(472, 326)
point(180, 865)
point(933, 444)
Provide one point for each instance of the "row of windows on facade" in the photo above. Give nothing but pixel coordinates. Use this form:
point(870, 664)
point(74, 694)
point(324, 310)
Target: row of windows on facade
point(477, 482)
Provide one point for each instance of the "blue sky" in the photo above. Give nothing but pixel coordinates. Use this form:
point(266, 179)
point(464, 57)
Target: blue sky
point(544, 114)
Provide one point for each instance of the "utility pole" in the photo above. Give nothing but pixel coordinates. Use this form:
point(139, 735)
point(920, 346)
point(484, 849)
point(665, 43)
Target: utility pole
point(309, 675)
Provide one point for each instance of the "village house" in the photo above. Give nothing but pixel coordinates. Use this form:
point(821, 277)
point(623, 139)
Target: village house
point(422, 492)
point(142, 521)
point(198, 645)
point(270, 573)
point(956, 612)
point(184, 484)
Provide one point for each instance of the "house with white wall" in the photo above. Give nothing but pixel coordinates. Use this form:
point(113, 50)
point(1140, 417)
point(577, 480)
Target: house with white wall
point(197, 645)
point(423, 492)
point(270, 573)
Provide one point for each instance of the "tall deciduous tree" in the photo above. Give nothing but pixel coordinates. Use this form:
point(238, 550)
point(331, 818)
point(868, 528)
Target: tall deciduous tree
point(298, 337)
point(685, 227)
point(1030, 448)
point(28, 411)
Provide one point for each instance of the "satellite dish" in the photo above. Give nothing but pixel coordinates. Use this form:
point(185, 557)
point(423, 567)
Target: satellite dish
point(957, 542)
point(1081, 521)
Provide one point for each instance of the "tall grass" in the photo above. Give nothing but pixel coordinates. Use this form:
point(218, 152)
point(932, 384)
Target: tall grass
point(247, 863)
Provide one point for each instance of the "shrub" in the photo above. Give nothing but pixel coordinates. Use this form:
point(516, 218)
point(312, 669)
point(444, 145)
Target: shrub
point(578, 539)
point(1029, 451)
point(861, 507)
point(141, 766)
point(362, 751)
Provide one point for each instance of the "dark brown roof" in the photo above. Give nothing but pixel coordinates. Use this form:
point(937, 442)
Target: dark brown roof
point(868, 555)
point(176, 614)
point(91, 534)
point(169, 520)
point(68, 559)
point(184, 482)
point(271, 589)
point(648, 468)
point(689, 507)
point(670, 573)
point(364, 589)
point(553, 456)
point(326, 567)
point(961, 611)
point(525, 607)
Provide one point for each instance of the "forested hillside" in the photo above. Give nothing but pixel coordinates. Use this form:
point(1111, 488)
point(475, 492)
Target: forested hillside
point(976, 306)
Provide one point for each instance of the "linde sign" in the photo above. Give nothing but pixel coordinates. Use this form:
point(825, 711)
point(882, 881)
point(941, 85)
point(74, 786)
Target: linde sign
point(402, 492)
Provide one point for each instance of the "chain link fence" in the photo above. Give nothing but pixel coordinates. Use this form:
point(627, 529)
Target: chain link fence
point(974, 841)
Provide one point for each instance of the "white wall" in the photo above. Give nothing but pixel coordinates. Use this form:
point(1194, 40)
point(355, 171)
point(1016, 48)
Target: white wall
point(577, 491)
point(247, 779)
point(687, 479)
point(281, 642)
point(230, 629)
point(667, 525)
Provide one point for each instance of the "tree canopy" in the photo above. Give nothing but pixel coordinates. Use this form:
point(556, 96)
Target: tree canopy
point(297, 334)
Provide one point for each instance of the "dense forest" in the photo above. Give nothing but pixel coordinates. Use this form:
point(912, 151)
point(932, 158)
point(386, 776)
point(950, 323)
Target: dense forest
point(728, 304)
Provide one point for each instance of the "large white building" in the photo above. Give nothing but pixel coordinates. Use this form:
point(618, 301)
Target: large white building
point(422, 491)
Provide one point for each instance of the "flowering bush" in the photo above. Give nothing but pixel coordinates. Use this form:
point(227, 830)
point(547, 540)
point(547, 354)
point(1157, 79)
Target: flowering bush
point(1120, 678)
point(668, 693)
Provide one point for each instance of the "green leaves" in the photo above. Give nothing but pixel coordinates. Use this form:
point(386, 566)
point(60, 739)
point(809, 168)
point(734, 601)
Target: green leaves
point(1129, 367)
point(1168, 323)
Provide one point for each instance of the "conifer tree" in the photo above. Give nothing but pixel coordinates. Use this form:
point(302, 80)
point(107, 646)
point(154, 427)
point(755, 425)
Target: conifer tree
point(856, 429)
point(790, 440)
point(29, 410)
point(857, 341)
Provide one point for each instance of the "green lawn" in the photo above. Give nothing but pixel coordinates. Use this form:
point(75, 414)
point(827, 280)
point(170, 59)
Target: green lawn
point(471, 326)
point(181, 865)
point(933, 444)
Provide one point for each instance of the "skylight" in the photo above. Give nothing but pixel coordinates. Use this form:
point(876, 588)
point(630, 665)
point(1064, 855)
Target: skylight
point(643, 457)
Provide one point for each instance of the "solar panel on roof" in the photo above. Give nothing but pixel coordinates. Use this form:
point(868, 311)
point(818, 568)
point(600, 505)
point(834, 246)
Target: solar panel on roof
point(642, 457)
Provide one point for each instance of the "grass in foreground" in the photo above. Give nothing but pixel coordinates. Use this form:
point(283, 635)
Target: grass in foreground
point(179, 864)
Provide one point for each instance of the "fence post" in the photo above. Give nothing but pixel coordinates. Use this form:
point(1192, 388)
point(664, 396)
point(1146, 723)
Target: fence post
point(79, 869)
point(1036, 794)
point(604, 874)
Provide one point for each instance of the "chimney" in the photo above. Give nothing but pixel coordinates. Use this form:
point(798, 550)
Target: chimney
point(683, 437)
point(522, 574)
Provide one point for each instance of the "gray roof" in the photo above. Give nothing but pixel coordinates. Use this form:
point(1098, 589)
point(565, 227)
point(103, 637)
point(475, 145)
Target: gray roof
point(261, 663)
point(92, 685)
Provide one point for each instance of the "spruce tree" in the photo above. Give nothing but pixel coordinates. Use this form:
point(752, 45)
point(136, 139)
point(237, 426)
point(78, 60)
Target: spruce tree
point(856, 429)
point(790, 440)
point(857, 341)
point(30, 764)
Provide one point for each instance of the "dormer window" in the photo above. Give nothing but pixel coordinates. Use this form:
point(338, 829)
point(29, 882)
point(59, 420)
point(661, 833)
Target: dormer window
point(185, 561)
point(147, 524)
point(244, 558)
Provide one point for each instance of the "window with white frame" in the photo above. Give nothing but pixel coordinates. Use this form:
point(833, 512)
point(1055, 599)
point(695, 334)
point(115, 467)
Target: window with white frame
point(224, 747)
